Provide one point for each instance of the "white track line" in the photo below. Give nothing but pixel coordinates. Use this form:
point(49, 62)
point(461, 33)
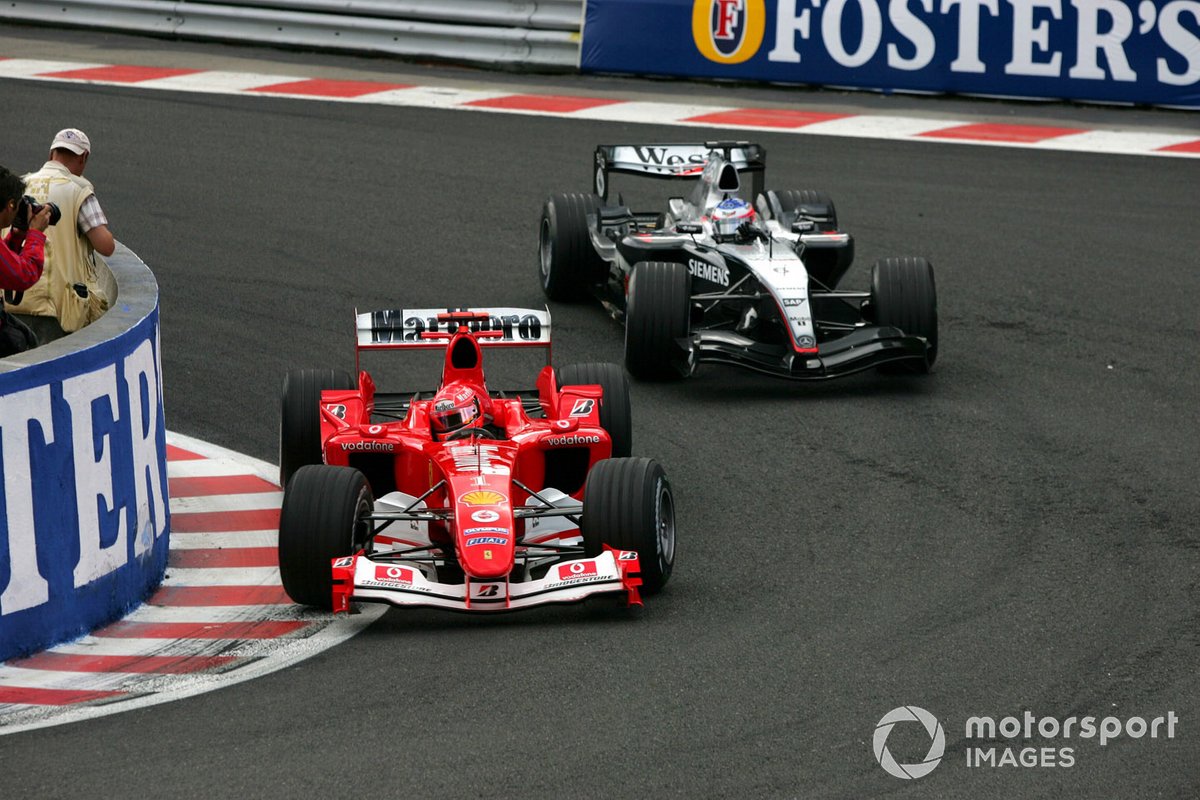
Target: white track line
point(247, 501)
point(617, 109)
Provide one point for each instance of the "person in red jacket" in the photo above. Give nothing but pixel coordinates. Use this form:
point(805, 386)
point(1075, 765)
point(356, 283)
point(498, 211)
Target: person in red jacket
point(21, 258)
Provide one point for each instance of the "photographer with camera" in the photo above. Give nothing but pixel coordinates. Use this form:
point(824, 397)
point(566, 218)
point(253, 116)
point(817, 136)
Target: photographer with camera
point(68, 295)
point(21, 256)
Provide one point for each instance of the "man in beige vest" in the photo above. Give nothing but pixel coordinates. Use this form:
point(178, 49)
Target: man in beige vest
point(67, 297)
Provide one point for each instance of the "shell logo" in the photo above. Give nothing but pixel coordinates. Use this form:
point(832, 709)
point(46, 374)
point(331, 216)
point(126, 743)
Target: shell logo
point(728, 31)
point(483, 498)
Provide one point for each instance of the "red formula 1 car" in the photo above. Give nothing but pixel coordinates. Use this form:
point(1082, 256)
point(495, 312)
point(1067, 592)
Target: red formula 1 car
point(467, 498)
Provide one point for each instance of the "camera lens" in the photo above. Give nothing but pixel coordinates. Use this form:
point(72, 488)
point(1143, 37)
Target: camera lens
point(21, 221)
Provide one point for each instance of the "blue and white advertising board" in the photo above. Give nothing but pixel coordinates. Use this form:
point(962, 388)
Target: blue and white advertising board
point(83, 491)
point(1125, 51)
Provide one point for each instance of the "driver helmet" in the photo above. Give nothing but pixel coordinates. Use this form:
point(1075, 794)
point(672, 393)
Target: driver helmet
point(455, 408)
point(730, 214)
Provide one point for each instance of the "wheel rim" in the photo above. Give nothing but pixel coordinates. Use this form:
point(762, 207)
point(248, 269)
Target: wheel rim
point(546, 250)
point(665, 524)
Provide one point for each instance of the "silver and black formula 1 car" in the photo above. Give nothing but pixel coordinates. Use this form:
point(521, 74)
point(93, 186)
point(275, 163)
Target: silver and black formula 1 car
point(732, 276)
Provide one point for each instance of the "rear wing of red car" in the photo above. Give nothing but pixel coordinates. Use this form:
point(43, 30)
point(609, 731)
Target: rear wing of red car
point(428, 328)
point(674, 161)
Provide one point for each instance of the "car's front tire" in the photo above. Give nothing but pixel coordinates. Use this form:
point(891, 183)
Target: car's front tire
point(904, 296)
point(300, 417)
point(616, 412)
point(657, 311)
point(567, 261)
point(322, 519)
point(628, 504)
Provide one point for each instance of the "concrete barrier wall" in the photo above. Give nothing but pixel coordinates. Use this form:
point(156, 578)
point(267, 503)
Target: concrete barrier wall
point(513, 33)
point(84, 514)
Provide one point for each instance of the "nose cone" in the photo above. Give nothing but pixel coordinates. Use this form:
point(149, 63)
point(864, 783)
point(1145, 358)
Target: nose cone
point(484, 532)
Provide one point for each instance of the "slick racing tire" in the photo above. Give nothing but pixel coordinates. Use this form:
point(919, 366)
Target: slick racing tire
point(826, 265)
point(656, 317)
point(567, 261)
point(616, 412)
point(903, 295)
point(627, 504)
point(322, 519)
point(810, 203)
point(300, 417)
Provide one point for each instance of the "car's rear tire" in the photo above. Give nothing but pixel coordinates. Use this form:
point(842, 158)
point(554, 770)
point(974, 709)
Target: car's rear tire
point(657, 310)
point(815, 205)
point(827, 265)
point(567, 261)
point(322, 519)
point(628, 504)
point(300, 417)
point(616, 412)
point(904, 296)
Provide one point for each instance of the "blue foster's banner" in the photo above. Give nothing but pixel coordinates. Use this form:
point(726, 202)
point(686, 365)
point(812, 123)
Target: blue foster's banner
point(1128, 51)
point(83, 501)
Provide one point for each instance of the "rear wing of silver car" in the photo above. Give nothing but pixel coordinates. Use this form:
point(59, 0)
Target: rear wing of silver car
point(676, 161)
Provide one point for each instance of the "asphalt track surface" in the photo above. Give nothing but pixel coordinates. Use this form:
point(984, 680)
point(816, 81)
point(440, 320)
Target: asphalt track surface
point(1016, 531)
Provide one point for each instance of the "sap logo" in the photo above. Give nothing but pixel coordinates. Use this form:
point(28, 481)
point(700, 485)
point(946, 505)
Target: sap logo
point(728, 31)
point(708, 272)
point(790, 302)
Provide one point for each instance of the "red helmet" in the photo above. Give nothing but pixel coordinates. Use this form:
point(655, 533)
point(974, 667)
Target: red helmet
point(455, 408)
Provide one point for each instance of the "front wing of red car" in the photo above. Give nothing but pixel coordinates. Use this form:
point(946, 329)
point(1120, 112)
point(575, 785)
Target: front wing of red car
point(360, 578)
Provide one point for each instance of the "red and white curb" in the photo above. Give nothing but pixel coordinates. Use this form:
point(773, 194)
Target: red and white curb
point(779, 120)
point(220, 617)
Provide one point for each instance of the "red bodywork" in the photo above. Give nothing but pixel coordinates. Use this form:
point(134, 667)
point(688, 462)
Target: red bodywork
point(476, 478)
